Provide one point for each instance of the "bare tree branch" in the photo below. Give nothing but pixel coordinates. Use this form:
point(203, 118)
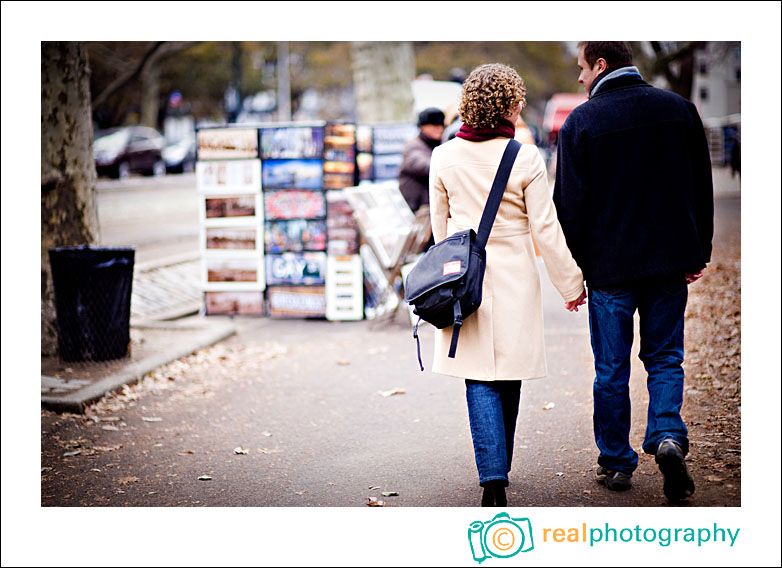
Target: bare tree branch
point(123, 80)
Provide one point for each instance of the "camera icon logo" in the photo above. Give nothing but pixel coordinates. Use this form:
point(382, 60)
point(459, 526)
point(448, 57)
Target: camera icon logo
point(501, 537)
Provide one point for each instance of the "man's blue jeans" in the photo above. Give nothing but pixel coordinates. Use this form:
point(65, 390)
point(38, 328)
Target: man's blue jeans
point(660, 302)
point(493, 407)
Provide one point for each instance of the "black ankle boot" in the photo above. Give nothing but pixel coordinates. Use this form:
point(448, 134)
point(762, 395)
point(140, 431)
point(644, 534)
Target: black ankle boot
point(494, 494)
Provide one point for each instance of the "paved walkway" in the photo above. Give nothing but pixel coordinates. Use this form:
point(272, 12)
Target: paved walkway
point(167, 290)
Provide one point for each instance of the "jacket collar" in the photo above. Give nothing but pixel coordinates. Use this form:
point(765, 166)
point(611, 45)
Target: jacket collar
point(609, 77)
point(619, 83)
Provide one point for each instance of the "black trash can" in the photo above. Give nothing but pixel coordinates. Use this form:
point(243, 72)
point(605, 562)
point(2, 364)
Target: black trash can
point(92, 288)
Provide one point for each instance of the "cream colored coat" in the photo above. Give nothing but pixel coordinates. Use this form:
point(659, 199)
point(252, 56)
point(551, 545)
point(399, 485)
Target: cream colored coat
point(503, 340)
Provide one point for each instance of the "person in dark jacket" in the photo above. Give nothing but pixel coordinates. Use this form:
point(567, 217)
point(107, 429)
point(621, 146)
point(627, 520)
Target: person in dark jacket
point(416, 155)
point(634, 197)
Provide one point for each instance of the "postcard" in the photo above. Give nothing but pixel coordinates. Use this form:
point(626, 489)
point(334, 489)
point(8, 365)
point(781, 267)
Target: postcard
point(227, 143)
point(296, 268)
point(292, 142)
point(239, 206)
point(292, 174)
point(235, 176)
point(297, 301)
point(294, 204)
point(234, 303)
point(295, 235)
point(231, 238)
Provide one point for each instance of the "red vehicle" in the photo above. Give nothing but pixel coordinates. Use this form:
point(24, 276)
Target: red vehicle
point(557, 110)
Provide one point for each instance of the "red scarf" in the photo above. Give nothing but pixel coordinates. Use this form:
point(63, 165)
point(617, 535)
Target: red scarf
point(505, 128)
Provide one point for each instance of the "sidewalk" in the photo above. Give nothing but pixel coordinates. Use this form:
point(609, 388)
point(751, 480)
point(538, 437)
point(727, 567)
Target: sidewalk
point(70, 386)
point(167, 289)
point(725, 186)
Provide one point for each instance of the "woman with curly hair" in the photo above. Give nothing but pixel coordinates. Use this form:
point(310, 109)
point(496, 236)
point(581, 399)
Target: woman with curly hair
point(501, 344)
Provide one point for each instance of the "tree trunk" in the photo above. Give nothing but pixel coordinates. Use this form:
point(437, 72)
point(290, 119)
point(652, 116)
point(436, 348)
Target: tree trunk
point(150, 93)
point(382, 77)
point(68, 211)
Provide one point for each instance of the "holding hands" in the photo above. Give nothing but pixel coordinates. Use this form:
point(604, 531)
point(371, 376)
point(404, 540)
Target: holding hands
point(580, 301)
point(693, 277)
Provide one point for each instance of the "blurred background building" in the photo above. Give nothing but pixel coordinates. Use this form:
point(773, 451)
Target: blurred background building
point(716, 91)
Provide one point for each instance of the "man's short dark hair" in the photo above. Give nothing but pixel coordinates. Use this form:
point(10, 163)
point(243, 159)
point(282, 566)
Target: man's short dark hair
point(616, 53)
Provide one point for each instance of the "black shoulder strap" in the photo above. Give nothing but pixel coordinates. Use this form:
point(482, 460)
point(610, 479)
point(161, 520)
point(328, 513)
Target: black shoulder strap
point(497, 189)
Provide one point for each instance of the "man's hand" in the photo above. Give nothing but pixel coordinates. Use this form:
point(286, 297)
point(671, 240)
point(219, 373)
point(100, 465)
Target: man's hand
point(693, 277)
point(580, 301)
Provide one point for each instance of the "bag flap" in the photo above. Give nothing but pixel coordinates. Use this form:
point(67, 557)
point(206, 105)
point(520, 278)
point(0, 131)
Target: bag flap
point(444, 262)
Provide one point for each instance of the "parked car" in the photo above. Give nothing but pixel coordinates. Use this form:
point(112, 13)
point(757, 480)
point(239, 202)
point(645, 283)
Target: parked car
point(130, 149)
point(180, 156)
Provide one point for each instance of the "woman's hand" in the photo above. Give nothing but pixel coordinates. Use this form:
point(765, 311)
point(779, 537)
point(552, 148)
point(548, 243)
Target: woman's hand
point(580, 301)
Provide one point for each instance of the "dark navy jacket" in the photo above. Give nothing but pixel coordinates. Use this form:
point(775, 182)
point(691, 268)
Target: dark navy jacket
point(633, 185)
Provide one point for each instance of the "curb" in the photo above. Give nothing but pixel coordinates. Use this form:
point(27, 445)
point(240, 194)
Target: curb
point(76, 402)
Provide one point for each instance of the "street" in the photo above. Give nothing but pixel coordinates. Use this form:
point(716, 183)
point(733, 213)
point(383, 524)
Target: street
point(156, 215)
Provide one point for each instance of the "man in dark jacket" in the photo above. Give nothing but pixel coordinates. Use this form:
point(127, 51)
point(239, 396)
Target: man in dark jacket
point(416, 155)
point(634, 196)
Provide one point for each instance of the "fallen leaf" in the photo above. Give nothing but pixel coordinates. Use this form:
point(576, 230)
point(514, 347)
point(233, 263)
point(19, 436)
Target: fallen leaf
point(548, 406)
point(373, 502)
point(588, 492)
point(71, 454)
point(187, 453)
point(240, 451)
point(714, 479)
point(151, 419)
point(95, 469)
point(373, 487)
point(111, 428)
point(45, 469)
point(300, 492)
point(560, 474)
point(107, 448)
point(204, 478)
point(266, 433)
point(128, 479)
point(392, 392)
point(390, 494)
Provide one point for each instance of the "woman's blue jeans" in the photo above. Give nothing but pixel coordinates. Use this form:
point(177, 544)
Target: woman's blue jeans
point(493, 407)
point(660, 302)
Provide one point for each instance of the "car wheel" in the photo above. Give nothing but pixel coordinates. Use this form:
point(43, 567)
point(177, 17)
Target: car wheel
point(159, 169)
point(123, 170)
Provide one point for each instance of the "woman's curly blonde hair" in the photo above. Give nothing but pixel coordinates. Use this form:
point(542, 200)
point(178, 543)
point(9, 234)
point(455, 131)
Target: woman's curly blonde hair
point(489, 93)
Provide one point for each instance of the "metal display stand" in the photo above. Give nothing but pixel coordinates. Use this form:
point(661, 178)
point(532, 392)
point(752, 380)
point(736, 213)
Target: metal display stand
point(394, 235)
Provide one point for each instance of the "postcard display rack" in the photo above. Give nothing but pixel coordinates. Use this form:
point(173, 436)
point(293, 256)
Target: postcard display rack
point(379, 149)
point(380, 209)
point(277, 236)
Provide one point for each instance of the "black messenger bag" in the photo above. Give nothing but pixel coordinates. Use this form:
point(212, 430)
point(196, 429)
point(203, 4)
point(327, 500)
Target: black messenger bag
point(446, 284)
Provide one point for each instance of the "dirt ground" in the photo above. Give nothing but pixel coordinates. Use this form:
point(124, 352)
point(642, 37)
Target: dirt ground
point(712, 409)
